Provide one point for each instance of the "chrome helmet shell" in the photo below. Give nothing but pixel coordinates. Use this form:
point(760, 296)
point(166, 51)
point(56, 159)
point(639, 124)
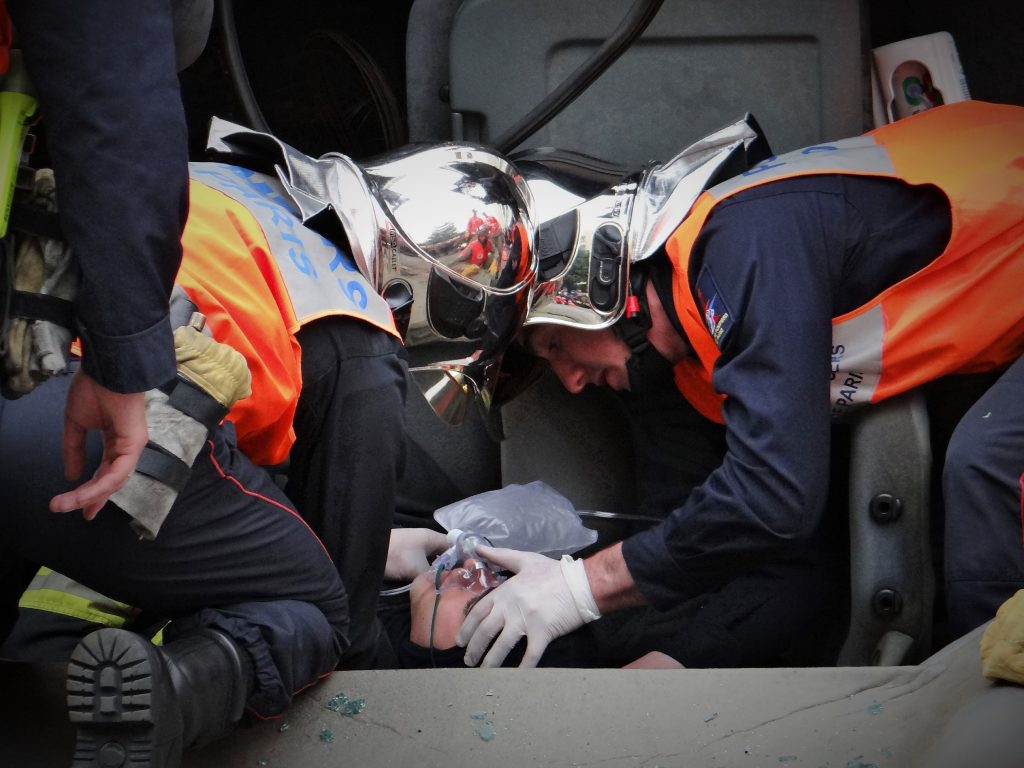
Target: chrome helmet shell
point(587, 246)
point(432, 203)
point(410, 218)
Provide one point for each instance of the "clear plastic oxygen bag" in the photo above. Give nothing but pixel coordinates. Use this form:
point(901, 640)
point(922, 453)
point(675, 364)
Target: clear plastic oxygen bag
point(532, 517)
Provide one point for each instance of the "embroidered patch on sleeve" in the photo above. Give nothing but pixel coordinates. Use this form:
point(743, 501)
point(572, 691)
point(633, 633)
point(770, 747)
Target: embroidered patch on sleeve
point(717, 316)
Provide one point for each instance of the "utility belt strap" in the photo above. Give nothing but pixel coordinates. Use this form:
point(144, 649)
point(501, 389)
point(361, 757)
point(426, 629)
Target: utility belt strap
point(195, 403)
point(162, 465)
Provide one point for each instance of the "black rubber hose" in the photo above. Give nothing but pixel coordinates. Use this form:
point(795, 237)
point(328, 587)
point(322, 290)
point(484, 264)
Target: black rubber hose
point(236, 67)
point(631, 27)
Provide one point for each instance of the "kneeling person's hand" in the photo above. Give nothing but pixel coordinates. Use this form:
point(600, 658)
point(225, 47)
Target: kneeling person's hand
point(410, 551)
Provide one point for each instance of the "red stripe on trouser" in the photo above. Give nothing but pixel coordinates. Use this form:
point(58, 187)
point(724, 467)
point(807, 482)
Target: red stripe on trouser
point(260, 716)
point(297, 516)
point(267, 499)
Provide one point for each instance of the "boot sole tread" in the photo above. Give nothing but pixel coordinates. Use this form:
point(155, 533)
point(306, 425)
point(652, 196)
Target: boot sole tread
point(110, 679)
point(110, 696)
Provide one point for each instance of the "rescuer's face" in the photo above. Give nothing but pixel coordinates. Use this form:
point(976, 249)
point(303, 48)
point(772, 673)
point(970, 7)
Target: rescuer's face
point(578, 357)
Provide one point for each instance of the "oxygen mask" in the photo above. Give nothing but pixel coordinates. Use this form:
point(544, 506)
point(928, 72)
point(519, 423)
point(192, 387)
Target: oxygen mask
point(459, 567)
point(472, 575)
point(461, 578)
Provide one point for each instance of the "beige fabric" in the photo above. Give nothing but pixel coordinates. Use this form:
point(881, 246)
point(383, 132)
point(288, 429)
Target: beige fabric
point(145, 499)
point(1002, 644)
point(217, 369)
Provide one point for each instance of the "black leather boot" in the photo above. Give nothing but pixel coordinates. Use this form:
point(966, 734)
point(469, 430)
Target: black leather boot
point(140, 705)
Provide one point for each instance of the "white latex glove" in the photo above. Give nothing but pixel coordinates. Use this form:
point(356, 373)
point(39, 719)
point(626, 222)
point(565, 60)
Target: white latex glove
point(410, 550)
point(545, 599)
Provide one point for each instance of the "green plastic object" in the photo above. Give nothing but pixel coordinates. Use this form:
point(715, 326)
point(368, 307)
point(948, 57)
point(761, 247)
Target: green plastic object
point(17, 105)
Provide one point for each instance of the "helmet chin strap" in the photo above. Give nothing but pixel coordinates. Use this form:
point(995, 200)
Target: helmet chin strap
point(648, 371)
point(646, 368)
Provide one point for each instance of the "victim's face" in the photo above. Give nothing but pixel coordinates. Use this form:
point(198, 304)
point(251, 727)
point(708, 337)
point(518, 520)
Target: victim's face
point(578, 357)
point(459, 590)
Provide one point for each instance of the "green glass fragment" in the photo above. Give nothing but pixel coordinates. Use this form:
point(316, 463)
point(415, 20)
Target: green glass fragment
point(336, 702)
point(353, 707)
point(486, 732)
point(326, 736)
point(478, 715)
point(339, 702)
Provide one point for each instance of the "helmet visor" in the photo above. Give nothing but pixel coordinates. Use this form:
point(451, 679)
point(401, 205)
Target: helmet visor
point(470, 330)
point(448, 392)
point(452, 387)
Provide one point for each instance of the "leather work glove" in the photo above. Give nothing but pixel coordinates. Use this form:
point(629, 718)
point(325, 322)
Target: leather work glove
point(1002, 644)
point(410, 550)
point(217, 369)
point(212, 377)
point(39, 349)
point(545, 599)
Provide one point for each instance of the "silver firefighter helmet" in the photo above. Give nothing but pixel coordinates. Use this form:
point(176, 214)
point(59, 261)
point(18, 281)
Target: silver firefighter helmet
point(587, 246)
point(596, 220)
point(445, 233)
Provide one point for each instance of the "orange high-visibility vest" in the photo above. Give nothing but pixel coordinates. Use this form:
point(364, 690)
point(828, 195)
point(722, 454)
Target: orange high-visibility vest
point(962, 313)
point(258, 275)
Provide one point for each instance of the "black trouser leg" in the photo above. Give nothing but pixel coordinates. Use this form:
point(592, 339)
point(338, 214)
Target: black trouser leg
point(348, 453)
point(232, 553)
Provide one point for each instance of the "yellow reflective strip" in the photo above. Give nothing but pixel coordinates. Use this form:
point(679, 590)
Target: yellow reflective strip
point(110, 614)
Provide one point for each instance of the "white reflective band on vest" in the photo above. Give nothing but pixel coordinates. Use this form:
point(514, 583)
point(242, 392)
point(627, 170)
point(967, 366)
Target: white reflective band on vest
point(856, 342)
point(856, 360)
point(320, 278)
point(860, 155)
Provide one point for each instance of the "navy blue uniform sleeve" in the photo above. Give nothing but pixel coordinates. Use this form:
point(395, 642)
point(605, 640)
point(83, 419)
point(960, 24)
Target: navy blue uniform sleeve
point(763, 278)
point(109, 94)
